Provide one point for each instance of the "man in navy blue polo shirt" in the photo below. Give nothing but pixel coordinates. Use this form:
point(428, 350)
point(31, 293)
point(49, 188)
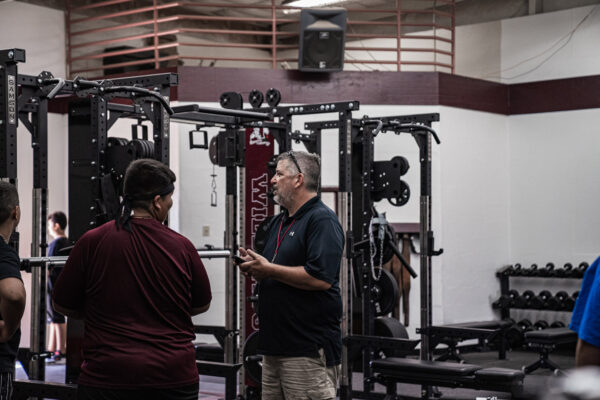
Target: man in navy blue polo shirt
point(300, 305)
point(586, 318)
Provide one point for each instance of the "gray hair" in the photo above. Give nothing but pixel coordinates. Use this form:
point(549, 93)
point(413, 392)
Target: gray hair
point(310, 166)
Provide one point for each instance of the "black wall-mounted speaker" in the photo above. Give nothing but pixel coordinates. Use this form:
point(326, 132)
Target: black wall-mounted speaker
point(322, 37)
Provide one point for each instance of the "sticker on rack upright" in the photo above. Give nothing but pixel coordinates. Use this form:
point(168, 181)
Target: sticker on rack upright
point(259, 137)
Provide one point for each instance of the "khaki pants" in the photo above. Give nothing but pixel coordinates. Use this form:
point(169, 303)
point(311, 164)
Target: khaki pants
point(298, 378)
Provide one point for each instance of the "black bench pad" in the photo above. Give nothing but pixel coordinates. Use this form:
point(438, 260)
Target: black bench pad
point(394, 366)
point(499, 375)
point(495, 324)
point(551, 336)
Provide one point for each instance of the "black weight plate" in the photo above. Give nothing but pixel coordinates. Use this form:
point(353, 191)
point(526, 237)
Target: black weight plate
point(138, 148)
point(389, 327)
point(150, 149)
point(402, 196)
point(252, 361)
point(392, 328)
point(384, 293)
point(116, 141)
point(401, 163)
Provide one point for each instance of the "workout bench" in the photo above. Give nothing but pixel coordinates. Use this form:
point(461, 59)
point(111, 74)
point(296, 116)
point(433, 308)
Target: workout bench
point(545, 341)
point(452, 334)
point(390, 371)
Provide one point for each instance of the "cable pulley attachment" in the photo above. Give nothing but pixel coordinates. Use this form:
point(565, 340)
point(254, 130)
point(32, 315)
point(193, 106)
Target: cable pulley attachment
point(386, 182)
point(231, 100)
point(256, 98)
point(273, 97)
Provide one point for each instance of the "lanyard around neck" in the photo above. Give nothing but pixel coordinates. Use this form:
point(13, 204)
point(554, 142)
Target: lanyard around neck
point(279, 240)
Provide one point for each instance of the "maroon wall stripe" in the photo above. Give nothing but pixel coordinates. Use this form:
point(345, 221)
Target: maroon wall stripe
point(555, 95)
point(204, 84)
point(207, 84)
point(473, 94)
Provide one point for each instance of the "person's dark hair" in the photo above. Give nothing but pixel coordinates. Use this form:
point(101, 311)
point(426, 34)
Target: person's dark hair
point(144, 179)
point(59, 217)
point(9, 199)
point(308, 164)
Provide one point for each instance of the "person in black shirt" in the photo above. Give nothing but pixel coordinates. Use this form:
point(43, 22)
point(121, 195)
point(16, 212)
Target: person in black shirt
point(57, 334)
point(12, 291)
point(300, 305)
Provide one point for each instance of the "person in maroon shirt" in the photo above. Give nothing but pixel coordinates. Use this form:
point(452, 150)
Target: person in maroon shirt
point(136, 284)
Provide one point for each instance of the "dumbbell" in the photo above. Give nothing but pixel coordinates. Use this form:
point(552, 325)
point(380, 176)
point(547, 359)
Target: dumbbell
point(506, 300)
point(557, 324)
point(569, 302)
point(565, 271)
point(531, 271)
point(541, 300)
point(580, 270)
point(541, 324)
point(548, 270)
point(523, 300)
point(515, 334)
point(557, 302)
point(513, 270)
point(507, 271)
point(518, 270)
point(562, 272)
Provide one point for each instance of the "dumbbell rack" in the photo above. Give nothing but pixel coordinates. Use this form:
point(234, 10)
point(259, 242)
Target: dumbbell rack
point(504, 275)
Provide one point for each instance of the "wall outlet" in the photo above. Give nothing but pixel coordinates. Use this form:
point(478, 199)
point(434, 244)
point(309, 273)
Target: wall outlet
point(205, 230)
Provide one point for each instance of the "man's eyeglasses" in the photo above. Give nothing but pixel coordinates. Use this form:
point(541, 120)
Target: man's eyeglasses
point(293, 158)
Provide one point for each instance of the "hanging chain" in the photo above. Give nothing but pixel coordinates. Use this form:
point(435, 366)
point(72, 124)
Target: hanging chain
point(373, 245)
point(213, 185)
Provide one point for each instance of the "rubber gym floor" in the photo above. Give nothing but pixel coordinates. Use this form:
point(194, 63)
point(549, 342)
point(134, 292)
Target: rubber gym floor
point(212, 388)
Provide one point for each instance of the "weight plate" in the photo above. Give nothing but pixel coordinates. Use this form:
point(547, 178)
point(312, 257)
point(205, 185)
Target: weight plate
point(401, 163)
point(384, 293)
point(391, 328)
point(402, 196)
point(252, 361)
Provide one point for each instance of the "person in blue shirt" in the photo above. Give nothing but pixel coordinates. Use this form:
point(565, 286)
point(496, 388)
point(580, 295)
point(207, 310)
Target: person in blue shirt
point(57, 334)
point(586, 319)
point(299, 296)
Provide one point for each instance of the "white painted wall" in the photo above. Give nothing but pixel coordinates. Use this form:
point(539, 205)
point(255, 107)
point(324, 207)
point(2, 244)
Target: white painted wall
point(553, 215)
point(40, 31)
point(550, 46)
point(553, 160)
point(478, 50)
point(474, 208)
point(553, 45)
